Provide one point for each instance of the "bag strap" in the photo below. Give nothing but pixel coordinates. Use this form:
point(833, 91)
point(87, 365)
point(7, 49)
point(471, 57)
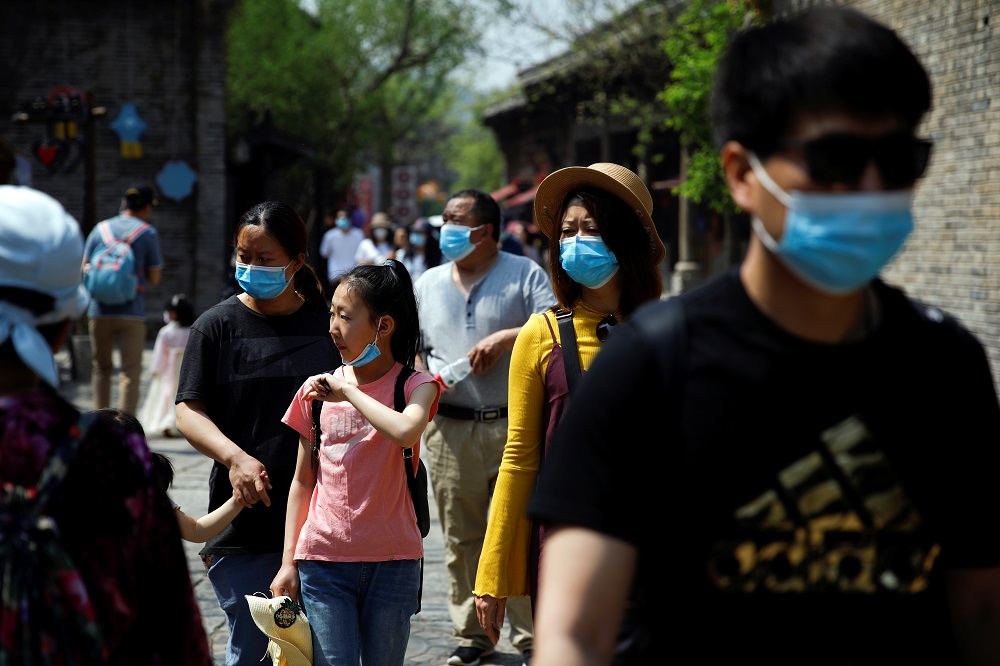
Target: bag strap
point(135, 233)
point(567, 340)
point(399, 397)
point(399, 400)
point(106, 236)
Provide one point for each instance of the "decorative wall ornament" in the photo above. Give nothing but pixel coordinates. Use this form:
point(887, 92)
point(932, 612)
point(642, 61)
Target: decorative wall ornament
point(176, 180)
point(129, 127)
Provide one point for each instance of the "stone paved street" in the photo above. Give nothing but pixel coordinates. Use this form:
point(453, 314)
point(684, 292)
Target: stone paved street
point(431, 641)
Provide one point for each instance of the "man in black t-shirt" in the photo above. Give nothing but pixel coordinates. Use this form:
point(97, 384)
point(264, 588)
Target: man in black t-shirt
point(796, 461)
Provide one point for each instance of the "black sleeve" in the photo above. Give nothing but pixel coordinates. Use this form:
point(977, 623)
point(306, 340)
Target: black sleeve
point(971, 457)
point(197, 367)
point(600, 469)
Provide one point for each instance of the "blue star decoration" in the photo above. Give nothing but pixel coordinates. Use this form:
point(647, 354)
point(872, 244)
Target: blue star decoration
point(129, 127)
point(176, 180)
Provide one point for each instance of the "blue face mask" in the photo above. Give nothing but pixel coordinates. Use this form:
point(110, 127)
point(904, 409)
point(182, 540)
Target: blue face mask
point(343, 223)
point(455, 243)
point(417, 240)
point(837, 243)
point(369, 353)
point(587, 260)
point(262, 282)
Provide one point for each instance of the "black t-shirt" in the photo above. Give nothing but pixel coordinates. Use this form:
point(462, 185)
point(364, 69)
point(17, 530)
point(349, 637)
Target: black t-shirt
point(246, 367)
point(791, 501)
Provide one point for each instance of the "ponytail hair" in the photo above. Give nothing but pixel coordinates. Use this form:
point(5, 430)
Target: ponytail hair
point(387, 289)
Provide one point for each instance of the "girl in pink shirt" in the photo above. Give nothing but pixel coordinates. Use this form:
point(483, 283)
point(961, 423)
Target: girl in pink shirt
point(352, 546)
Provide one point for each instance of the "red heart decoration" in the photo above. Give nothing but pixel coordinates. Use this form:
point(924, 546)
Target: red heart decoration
point(46, 153)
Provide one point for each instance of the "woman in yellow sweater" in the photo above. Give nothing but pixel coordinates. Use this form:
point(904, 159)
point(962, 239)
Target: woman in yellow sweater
point(603, 256)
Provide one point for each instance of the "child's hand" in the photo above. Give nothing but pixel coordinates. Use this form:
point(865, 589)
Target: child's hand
point(263, 477)
point(326, 387)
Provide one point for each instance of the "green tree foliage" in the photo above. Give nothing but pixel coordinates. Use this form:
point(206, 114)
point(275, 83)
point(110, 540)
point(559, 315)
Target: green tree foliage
point(355, 78)
point(695, 43)
point(474, 154)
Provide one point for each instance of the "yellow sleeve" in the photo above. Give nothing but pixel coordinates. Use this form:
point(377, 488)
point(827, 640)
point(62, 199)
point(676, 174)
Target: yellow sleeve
point(503, 565)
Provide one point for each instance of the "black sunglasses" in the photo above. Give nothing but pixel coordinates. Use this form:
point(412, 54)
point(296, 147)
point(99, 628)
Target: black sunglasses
point(605, 326)
point(901, 158)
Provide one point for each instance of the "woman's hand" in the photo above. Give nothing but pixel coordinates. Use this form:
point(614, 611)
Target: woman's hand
point(249, 479)
point(286, 582)
point(490, 612)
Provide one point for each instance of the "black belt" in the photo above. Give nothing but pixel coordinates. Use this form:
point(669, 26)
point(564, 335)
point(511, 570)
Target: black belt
point(481, 414)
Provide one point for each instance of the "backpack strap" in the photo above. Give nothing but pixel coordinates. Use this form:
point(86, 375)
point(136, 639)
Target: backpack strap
point(399, 400)
point(135, 233)
point(567, 340)
point(106, 236)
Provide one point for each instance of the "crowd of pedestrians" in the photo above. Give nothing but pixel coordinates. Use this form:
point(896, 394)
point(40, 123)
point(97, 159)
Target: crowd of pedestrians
point(770, 467)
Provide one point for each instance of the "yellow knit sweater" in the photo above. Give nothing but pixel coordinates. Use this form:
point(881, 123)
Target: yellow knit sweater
point(503, 565)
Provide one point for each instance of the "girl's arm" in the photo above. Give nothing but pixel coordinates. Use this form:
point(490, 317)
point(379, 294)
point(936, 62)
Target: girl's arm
point(286, 581)
point(206, 527)
point(404, 428)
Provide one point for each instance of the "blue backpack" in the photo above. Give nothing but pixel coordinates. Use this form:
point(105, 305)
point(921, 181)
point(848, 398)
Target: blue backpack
point(111, 276)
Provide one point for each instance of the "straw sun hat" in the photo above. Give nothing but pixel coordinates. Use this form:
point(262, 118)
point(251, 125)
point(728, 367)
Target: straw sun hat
point(613, 178)
point(287, 627)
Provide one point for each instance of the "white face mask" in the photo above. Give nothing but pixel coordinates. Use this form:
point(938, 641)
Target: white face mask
point(166, 317)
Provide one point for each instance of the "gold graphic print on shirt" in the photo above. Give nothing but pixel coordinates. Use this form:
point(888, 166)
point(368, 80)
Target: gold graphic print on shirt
point(836, 520)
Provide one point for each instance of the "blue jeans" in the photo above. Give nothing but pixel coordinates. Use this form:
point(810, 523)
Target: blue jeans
point(233, 577)
point(359, 610)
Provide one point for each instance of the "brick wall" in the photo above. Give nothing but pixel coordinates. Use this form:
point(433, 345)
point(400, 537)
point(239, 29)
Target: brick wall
point(953, 258)
point(168, 58)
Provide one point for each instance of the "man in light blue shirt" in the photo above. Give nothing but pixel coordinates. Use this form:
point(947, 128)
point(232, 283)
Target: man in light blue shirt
point(124, 324)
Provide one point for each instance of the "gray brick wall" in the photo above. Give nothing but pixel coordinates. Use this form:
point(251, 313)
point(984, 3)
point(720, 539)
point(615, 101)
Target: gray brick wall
point(168, 58)
point(953, 258)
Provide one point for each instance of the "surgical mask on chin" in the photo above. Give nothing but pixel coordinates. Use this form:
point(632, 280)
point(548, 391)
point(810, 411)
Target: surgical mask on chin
point(370, 352)
point(454, 242)
point(836, 243)
point(587, 260)
point(262, 282)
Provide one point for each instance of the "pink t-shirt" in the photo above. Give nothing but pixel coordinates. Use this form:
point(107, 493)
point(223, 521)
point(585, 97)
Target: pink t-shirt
point(360, 510)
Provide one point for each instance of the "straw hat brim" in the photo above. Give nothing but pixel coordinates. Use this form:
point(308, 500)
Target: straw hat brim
point(294, 643)
point(612, 178)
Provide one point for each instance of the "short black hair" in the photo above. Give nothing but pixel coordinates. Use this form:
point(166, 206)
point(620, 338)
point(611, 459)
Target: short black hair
point(484, 207)
point(140, 196)
point(828, 58)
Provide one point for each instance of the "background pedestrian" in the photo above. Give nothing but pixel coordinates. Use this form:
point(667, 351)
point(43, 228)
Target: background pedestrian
point(123, 325)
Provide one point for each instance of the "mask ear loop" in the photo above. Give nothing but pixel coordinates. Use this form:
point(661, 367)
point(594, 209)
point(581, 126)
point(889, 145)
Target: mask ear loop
point(765, 179)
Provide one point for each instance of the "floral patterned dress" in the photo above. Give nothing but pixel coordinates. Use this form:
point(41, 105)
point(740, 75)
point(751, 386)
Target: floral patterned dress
point(126, 572)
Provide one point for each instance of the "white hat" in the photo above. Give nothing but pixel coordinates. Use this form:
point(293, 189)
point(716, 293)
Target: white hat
point(284, 623)
point(41, 250)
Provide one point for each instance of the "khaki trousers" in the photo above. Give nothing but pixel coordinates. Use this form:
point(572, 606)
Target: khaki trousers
point(129, 334)
point(463, 460)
